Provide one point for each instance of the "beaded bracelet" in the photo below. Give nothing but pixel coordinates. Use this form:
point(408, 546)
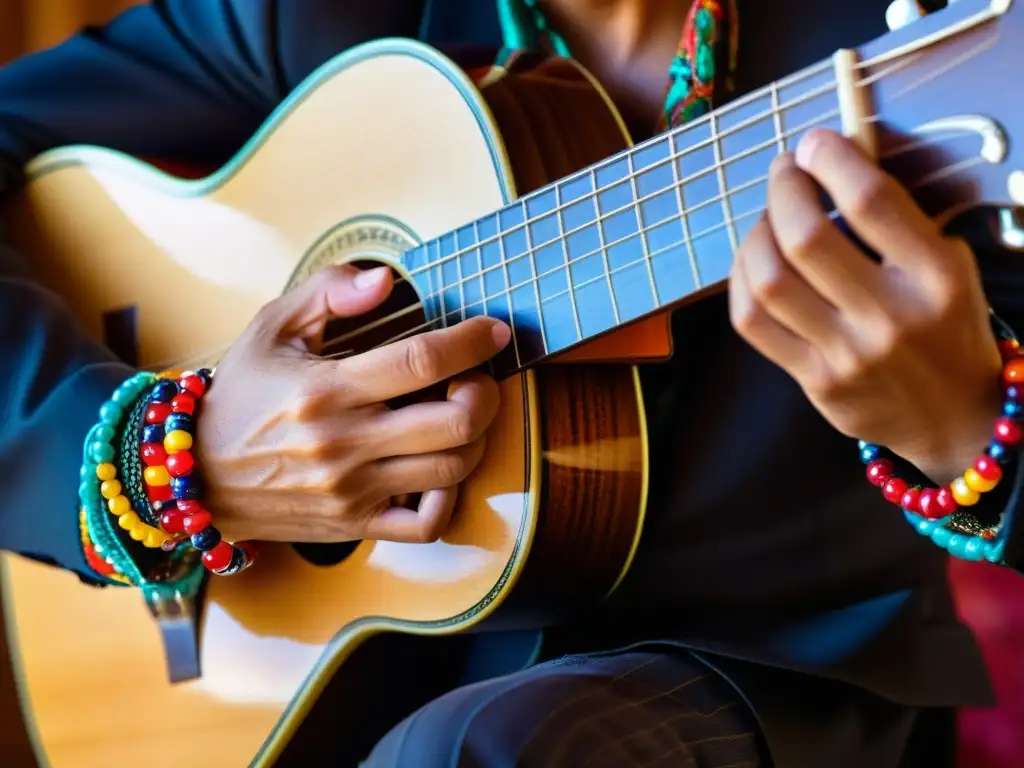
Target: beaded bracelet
point(940, 513)
point(107, 547)
point(93, 558)
point(97, 454)
point(171, 473)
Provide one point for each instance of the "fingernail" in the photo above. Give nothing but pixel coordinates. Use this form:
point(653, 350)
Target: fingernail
point(501, 334)
point(370, 278)
point(806, 148)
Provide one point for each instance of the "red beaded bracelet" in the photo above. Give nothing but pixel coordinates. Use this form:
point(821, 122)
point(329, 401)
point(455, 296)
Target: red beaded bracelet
point(172, 481)
point(983, 476)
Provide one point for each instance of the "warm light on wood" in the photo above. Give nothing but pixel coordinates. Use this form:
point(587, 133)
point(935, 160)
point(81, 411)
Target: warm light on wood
point(271, 636)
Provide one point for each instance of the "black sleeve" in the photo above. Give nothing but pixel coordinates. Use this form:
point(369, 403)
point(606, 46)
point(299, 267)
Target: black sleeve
point(185, 80)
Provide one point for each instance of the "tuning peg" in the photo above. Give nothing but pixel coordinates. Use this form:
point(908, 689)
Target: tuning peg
point(902, 12)
point(1011, 228)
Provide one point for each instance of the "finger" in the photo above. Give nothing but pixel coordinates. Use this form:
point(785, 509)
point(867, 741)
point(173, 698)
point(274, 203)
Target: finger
point(416, 363)
point(811, 243)
point(428, 427)
point(876, 206)
point(336, 291)
point(418, 526)
point(782, 294)
point(762, 331)
point(416, 474)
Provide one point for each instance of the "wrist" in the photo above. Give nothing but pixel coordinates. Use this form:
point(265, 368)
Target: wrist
point(952, 451)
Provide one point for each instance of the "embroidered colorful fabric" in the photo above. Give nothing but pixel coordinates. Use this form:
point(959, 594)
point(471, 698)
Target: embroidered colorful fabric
point(693, 73)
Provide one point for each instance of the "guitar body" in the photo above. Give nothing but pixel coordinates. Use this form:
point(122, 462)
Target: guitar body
point(385, 146)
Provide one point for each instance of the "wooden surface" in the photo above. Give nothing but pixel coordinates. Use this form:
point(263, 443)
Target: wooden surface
point(241, 246)
point(264, 631)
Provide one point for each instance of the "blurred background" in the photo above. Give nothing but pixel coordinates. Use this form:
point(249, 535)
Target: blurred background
point(28, 25)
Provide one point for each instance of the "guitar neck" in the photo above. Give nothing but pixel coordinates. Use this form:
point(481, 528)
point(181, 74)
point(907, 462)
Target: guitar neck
point(660, 223)
point(627, 237)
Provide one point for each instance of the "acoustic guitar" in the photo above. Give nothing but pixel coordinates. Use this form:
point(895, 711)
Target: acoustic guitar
point(515, 194)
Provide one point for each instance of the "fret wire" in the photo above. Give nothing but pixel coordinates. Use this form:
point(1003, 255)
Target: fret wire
point(666, 249)
point(726, 207)
point(568, 267)
point(710, 201)
point(684, 216)
point(643, 237)
point(480, 263)
point(797, 77)
point(686, 180)
point(430, 278)
point(508, 293)
point(777, 118)
point(441, 291)
point(598, 221)
point(699, 234)
point(536, 280)
point(755, 212)
point(462, 291)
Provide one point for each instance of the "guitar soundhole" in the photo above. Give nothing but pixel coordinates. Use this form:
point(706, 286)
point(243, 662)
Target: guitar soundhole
point(399, 317)
point(325, 554)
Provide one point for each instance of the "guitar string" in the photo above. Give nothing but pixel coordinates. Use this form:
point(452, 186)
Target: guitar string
point(646, 258)
point(715, 139)
point(530, 252)
point(601, 218)
point(795, 78)
point(592, 195)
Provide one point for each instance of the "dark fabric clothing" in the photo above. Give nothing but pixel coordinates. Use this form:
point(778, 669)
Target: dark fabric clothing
point(765, 550)
point(623, 709)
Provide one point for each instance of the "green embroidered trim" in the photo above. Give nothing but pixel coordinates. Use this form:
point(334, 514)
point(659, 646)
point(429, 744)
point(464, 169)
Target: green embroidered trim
point(694, 70)
point(129, 462)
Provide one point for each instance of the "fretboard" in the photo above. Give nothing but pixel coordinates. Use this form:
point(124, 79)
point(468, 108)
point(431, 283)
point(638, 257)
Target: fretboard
point(627, 237)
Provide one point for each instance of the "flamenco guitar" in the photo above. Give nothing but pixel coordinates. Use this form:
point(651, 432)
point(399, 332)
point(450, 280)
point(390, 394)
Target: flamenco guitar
point(518, 195)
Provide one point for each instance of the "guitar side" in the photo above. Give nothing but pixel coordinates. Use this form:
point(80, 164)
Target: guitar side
point(549, 521)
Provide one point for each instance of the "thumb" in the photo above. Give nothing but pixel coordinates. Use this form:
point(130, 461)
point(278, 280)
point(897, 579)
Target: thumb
point(336, 291)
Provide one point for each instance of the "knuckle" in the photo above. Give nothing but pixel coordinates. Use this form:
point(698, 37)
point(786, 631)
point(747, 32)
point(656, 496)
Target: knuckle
point(868, 198)
point(948, 292)
point(461, 425)
point(771, 282)
point(825, 385)
point(746, 318)
point(430, 529)
point(421, 359)
point(305, 408)
point(450, 469)
point(886, 339)
point(809, 243)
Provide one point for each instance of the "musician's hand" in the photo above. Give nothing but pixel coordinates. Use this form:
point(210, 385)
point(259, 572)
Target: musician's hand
point(300, 448)
point(899, 353)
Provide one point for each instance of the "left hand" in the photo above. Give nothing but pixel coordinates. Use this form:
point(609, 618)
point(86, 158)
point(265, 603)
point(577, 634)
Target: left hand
point(899, 353)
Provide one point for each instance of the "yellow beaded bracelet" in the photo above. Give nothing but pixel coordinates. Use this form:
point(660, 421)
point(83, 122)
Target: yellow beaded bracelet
point(121, 508)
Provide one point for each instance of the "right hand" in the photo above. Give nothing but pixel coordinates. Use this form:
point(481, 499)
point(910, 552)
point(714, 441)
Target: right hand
point(298, 448)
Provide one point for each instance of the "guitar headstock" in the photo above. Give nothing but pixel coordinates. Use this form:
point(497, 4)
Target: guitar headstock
point(947, 93)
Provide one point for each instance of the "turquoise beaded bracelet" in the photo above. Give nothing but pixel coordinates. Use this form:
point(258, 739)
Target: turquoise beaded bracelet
point(99, 449)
